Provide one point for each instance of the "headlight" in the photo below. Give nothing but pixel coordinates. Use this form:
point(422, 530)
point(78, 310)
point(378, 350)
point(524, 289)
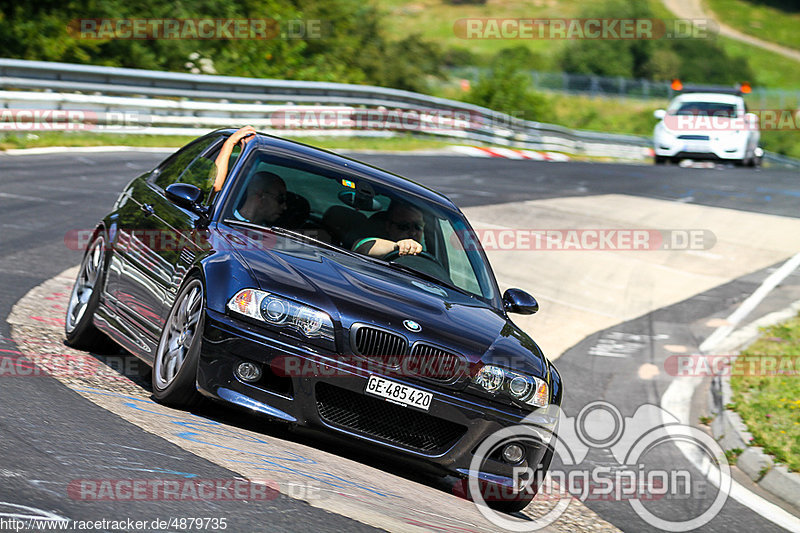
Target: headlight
point(521, 387)
point(282, 312)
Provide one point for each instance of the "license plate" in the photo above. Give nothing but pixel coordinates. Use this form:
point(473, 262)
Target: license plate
point(695, 147)
point(398, 393)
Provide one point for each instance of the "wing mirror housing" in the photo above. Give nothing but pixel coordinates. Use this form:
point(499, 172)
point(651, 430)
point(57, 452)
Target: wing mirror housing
point(659, 114)
point(188, 197)
point(519, 301)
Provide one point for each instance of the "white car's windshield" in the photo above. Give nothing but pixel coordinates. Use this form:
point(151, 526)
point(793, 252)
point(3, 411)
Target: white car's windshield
point(714, 109)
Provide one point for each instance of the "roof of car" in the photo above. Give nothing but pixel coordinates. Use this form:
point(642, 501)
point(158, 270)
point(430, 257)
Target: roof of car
point(727, 98)
point(736, 91)
point(377, 174)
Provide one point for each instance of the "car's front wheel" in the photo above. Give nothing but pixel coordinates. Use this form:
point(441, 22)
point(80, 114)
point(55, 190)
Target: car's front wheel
point(175, 366)
point(79, 328)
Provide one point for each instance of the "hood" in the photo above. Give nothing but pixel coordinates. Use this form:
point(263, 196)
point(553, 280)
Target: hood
point(352, 290)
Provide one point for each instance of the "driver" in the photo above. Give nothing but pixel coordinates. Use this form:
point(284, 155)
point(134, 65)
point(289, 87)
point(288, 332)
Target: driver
point(402, 233)
point(265, 201)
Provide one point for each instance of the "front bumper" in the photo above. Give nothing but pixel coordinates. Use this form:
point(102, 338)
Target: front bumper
point(719, 150)
point(331, 398)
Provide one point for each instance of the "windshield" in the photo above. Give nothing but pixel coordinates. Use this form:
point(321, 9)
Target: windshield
point(350, 211)
point(712, 109)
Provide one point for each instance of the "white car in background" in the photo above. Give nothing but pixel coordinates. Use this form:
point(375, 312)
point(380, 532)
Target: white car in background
point(708, 125)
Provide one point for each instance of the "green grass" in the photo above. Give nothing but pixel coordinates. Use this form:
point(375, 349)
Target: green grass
point(759, 20)
point(615, 115)
point(402, 143)
point(771, 69)
point(435, 19)
point(770, 404)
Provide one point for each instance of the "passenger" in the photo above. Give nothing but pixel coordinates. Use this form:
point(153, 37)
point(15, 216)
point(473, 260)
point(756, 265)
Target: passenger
point(402, 233)
point(265, 201)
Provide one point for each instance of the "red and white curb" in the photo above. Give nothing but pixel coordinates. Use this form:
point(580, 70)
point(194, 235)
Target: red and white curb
point(508, 153)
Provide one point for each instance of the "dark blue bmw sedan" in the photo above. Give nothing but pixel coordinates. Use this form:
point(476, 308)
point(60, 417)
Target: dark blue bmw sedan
point(323, 292)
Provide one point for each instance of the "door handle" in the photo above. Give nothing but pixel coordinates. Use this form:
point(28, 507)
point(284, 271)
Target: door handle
point(148, 209)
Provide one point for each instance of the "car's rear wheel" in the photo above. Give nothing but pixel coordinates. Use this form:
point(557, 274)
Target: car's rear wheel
point(660, 160)
point(175, 366)
point(79, 328)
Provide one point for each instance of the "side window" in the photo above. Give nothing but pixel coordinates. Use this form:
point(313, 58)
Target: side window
point(200, 173)
point(185, 166)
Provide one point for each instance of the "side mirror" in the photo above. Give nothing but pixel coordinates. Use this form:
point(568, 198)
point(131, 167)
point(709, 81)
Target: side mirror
point(519, 301)
point(752, 120)
point(186, 196)
point(659, 114)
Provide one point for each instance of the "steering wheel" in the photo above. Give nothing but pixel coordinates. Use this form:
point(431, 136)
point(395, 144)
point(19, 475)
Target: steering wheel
point(423, 261)
point(395, 254)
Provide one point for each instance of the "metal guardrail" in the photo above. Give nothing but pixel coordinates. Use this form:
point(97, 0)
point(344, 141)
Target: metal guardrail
point(144, 101)
point(166, 100)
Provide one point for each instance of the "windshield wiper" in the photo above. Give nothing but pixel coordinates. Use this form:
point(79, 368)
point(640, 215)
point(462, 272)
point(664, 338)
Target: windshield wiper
point(428, 277)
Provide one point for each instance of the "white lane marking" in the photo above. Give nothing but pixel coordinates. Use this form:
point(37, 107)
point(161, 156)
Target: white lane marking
point(678, 396)
point(36, 514)
point(750, 303)
point(676, 401)
point(33, 198)
point(91, 149)
point(620, 344)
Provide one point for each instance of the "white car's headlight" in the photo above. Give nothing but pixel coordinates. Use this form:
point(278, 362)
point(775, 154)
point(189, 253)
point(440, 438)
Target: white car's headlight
point(282, 312)
point(528, 389)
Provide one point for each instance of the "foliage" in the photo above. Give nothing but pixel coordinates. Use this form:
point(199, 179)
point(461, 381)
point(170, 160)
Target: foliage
point(687, 59)
point(508, 87)
point(352, 47)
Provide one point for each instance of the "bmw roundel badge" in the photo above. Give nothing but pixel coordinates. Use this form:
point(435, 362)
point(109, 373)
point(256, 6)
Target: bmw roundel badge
point(412, 326)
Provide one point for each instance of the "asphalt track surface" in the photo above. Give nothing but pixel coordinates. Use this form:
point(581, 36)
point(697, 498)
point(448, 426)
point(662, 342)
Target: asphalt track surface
point(43, 196)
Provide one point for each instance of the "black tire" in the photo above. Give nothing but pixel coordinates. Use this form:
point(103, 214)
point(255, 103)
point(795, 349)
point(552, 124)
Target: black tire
point(174, 376)
point(79, 328)
point(660, 160)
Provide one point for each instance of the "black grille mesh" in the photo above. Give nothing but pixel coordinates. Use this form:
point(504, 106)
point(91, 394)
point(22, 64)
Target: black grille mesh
point(437, 364)
point(385, 421)
point(381, 346)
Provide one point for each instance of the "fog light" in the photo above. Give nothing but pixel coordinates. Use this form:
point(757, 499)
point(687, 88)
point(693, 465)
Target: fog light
point(248, 372)
point(513, 453)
